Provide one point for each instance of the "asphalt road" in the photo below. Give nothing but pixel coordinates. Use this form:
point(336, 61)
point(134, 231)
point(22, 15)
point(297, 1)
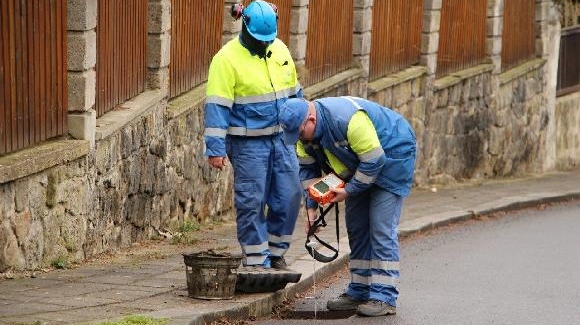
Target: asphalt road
point(521, 268)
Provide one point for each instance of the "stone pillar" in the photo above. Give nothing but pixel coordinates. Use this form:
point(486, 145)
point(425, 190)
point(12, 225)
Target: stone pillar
point(231, 27)
point(82, 58)
point(362, 25)
point(494, 29)
point(547, 47)
point(159, 45)
point(298, 28)
point(430, 41)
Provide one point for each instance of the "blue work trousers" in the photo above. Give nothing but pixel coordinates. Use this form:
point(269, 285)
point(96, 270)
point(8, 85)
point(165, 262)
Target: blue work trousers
point(265, 175)
point(372, 221)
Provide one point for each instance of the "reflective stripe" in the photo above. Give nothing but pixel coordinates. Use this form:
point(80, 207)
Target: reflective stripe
point(276, 251)
point(283, 93)
point(383, 279)
point(255, 249)
point(306, 160)
point(242, 131)
point(360, 279)
point(279, 239)
point(375, 264)
point(307, 182)
point(256, 98)
point(219, 100)
point(375, 153)
point(215, 132)
point(350, 99)
point(363, 178)
point(255, 259)
point(373, 279)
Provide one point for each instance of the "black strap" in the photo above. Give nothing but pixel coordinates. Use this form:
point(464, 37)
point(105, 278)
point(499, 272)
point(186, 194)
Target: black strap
point(320, 222)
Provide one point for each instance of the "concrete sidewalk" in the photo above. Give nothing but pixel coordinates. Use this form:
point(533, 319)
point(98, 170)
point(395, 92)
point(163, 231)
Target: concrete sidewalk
point(157, 286)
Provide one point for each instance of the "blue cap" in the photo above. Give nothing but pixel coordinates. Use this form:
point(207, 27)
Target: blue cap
point(292, 115)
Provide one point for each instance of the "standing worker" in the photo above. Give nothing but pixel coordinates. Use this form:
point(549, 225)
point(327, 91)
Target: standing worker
point(373, 149)
point(249, 79)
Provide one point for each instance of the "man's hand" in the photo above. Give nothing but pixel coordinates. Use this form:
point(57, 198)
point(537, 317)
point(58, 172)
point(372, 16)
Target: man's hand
point(340, 194)
point(217, 162)
point(310, 219)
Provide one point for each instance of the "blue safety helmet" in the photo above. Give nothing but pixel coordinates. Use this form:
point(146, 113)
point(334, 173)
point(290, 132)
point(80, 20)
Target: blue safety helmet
point(260, 20)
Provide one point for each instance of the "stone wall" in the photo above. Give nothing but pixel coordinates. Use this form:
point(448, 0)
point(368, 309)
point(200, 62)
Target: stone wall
point(147, 177)
point(568, 126)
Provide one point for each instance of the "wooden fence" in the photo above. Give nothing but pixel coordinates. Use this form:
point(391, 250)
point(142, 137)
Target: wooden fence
point(396, 37)
point(33, 68)
point(462, 35)
point(519, 36)
point(329, 43)
point(569, 62)
point(194, 41)
point(121, 52)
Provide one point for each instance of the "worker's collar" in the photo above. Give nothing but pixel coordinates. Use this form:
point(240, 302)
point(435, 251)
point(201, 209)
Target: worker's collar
point(253, 45)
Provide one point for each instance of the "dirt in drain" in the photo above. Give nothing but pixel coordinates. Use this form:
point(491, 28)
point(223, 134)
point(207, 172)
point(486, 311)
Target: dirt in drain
point(320, 314)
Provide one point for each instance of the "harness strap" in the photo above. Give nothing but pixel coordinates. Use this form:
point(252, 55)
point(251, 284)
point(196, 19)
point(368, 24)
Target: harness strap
point(321, 222)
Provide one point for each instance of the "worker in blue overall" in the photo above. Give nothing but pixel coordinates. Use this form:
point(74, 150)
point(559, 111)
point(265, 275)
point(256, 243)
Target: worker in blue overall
point(373, 149)
point(249, 79)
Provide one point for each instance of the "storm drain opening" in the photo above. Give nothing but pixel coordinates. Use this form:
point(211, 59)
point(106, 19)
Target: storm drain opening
point(319, 314)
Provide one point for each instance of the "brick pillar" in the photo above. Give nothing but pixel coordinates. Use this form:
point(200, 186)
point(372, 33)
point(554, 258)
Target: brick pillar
point(159, 45)
point(494, 29)
point(231, 27)
point(298, 28)
point(430, 41)
point(82, 58)
point(363, 24)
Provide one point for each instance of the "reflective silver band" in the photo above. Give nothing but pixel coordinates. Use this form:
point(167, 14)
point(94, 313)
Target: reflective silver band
point(279, 239)
point(373, 154)
point(215, 132)
point(374, 279)
point(219, 100)
point(363, 178)
point(255, 249)
point(267, 97)
point(276, 251)
point(242, 131)
point(255, 260)
point(375, 264)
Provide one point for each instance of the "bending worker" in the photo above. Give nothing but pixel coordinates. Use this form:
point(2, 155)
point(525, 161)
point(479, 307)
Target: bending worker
point(249, 79)
point(373, 149)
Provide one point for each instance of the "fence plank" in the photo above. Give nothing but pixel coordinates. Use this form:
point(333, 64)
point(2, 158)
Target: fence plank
point(194, 41)
point(518, 39)
point(396, 37)
point(328, 45)
point(462, 35)
point(121, 48)
point(33, 71)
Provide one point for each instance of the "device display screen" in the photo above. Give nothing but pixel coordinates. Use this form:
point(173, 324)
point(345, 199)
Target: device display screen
point(321, 187)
